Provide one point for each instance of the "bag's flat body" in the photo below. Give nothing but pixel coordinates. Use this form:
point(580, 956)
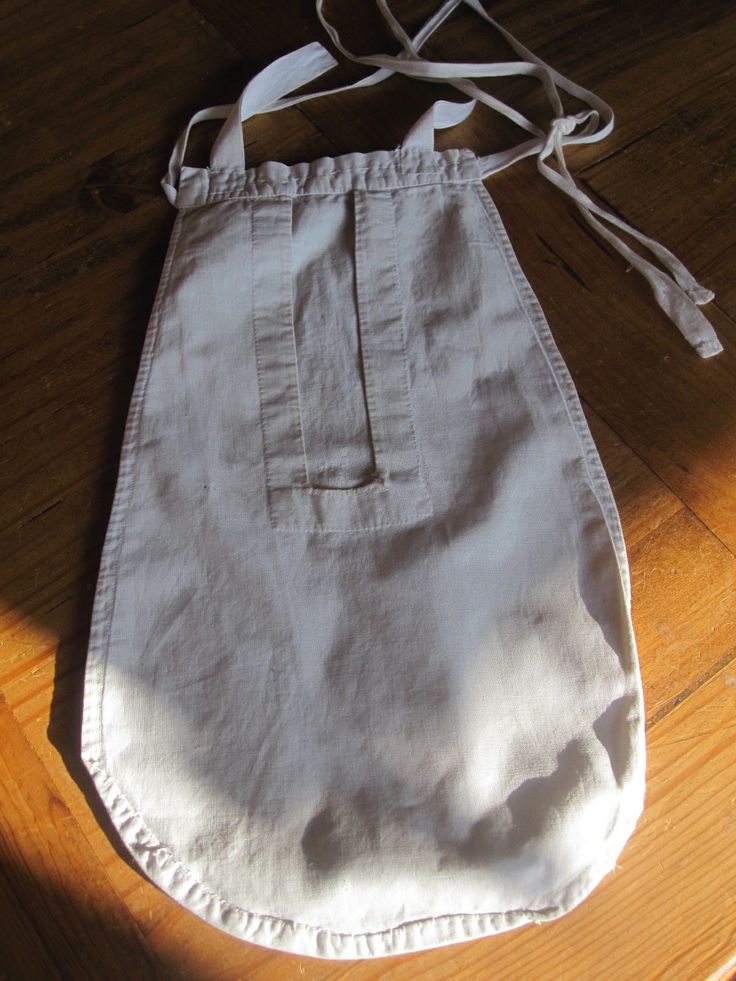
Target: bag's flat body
point(361, 677)
point(361, 720)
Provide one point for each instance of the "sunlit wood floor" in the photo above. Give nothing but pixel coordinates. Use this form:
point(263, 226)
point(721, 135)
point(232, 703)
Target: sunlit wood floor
point(94, 94)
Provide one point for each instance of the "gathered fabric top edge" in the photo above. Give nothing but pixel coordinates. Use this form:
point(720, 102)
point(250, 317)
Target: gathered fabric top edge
point(375, 170)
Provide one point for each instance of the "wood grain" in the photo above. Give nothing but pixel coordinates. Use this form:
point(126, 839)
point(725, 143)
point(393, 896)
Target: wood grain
point(94, 97)
point(60, 916)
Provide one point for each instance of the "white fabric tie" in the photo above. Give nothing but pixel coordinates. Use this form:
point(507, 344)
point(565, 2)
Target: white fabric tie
point(679, 296)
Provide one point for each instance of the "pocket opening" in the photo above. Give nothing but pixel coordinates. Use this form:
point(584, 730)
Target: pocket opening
point(335, 419)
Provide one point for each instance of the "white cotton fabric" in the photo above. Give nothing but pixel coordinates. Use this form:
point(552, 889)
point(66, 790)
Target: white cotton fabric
point(361, 677)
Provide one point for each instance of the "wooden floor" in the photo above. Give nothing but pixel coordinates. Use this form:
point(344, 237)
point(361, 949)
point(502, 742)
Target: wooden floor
point(94, 96)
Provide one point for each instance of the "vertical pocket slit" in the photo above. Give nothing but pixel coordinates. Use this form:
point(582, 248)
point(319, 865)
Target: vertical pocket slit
point(332, 382)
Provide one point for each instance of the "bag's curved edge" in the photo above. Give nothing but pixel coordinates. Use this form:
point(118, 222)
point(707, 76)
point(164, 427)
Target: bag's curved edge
point(104, 598)
point(288, 936)
point(599, 482)
point(533, 311)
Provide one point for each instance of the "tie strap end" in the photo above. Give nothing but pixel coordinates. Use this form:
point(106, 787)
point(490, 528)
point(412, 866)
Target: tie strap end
point(709, 348)
point(700, 295)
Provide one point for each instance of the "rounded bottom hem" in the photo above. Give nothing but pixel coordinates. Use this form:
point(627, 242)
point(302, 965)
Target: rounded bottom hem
point(178, 882)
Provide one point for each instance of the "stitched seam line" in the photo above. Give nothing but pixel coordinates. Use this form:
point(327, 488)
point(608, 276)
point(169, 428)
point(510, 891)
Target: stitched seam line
point(108, 788)
point(359, 205)
point(234, 194)
point(259, 374)
point(104, 605)
point(421, 504)
point(401, 299)
point(566, 386)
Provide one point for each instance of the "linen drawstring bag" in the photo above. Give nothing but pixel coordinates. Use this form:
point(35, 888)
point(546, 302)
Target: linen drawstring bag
point(361, 676)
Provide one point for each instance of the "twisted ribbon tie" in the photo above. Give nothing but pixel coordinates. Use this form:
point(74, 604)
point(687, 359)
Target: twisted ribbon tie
point(680, 296)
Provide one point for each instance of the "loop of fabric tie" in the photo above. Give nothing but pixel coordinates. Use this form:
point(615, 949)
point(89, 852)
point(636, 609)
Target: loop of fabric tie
point(263, 93)
point(170, 179)
point(440, 115)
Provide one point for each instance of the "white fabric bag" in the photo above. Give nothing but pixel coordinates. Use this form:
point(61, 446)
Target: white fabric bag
point(361, 677)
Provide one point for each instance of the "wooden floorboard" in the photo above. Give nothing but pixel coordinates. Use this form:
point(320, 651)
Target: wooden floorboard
point(93, 98)
point(60, 915)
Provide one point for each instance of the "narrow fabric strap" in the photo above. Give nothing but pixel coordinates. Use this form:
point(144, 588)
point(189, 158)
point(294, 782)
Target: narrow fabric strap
point(266, 92)
point(440, 115)
point(381, 73)
point(678, 296)
point(261, 94)
point(171, 178)
point(282, 76)
point(459, 73)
